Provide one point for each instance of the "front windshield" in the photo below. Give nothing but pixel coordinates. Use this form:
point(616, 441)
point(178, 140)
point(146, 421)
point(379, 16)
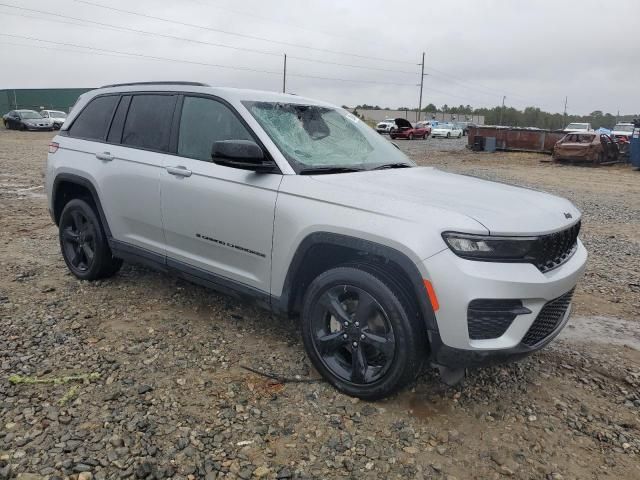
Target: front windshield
point(311, 136)
point(28, 114)
point(57, 114)
point(578, 126)
point(623, 128)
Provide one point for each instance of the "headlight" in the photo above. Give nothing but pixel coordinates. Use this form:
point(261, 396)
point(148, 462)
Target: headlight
point(491, 248)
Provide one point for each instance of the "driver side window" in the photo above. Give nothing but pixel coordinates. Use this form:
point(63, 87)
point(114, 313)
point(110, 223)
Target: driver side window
point(204, 121)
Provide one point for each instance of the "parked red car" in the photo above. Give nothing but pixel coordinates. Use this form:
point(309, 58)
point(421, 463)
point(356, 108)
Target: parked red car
point(404, 129)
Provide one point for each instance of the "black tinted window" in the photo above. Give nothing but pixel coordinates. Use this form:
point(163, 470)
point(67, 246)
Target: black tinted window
point(148, 122)
point(203, 122)
point(94, 120)
point(115, 132)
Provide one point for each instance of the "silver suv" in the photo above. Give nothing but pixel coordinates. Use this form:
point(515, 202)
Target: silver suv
point(301, 206)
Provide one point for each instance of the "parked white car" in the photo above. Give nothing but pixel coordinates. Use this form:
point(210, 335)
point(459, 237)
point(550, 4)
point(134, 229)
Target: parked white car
point(622, 130)
point(386, 125)
point(57, 117)
point(578, 127)
point(446, 130)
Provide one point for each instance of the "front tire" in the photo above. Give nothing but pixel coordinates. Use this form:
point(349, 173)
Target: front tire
point(448, 135)
point(359, 335)
point(84, 244)
point(411, 136)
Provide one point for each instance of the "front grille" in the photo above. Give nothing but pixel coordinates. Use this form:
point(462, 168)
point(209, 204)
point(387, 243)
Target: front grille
point(488, 318)
point(548, 319)
point(553, 250)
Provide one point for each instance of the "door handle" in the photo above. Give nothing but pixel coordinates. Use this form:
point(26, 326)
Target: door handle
point(106, 156)
point(179, 171)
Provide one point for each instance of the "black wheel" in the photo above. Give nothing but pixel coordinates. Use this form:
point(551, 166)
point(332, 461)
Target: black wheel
point(448, 134)
point(359, 335)
point(84, 244)
point(393, 137)
point(7, 125)
point(411, 136)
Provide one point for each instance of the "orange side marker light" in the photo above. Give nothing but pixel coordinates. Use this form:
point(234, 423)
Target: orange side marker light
point(432, 295)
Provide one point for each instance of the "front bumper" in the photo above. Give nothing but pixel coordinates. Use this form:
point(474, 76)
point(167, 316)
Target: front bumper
point(457, 282)
point(38, 127)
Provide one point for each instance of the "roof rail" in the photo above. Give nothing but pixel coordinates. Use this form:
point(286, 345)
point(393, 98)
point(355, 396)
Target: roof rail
point(192, 84)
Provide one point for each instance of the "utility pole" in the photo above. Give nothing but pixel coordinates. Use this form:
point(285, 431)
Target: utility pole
point(284, 75)
point(502, 109)
point(421, 85)
point(565, 111)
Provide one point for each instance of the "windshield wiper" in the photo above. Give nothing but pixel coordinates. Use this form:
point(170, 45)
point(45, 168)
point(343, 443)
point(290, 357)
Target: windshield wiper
point(327, 170)
point(392, 165)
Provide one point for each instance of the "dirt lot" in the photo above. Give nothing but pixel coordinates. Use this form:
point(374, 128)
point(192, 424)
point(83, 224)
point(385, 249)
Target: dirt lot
point(162, 392)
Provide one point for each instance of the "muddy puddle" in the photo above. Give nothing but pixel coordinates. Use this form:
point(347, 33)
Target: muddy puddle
point(603, 330)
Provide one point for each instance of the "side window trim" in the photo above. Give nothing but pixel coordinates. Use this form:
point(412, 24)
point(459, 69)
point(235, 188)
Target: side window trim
point(123, 98)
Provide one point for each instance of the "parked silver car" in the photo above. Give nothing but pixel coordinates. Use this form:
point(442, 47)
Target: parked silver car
point(301, 206)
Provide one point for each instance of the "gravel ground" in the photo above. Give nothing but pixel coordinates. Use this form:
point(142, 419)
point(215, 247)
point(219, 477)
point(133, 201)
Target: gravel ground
point(141, 375)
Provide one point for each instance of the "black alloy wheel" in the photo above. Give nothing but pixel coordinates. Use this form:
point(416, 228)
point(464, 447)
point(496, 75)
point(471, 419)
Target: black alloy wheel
point(83, 242)
point(352, 334)
point(79, 241)
point(359, 335)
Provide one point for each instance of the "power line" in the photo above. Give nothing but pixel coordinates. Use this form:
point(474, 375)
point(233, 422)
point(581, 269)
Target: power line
point(215, 65)
point(185, 39)
point(273, 20)
point(242, 35)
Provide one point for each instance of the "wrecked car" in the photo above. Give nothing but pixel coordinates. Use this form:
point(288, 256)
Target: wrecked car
point(586, 146)
point(403, 128)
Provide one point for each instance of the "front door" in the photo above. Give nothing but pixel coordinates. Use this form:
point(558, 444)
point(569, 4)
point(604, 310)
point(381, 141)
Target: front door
point(218, 220)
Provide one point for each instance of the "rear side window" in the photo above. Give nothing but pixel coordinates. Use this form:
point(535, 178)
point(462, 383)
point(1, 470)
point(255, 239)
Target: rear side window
point(93, 121)
point(203, 122)
point(148, 122)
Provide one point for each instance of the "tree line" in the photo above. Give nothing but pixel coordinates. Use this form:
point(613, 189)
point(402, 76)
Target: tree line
point(529, 117)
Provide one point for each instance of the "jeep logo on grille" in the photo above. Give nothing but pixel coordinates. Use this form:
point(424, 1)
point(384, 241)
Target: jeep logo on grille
point(567, 215)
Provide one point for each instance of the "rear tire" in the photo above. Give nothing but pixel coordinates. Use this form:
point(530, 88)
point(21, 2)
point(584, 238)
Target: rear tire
point(359, 335)
point(410, 136)
point(448, 135)
point(84, 244)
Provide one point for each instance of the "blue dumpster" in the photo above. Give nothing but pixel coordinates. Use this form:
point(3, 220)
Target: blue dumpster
point(635, 146)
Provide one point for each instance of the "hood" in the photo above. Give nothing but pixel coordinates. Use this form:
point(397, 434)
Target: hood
point(502, 209)
point(402, 123)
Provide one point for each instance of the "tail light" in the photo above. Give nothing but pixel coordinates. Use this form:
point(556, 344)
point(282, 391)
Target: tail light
point(53, 147)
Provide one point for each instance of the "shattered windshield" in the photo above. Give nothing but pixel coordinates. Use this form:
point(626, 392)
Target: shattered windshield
point(311, 136)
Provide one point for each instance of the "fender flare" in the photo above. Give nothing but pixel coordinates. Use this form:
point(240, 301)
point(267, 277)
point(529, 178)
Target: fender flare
point(369, 247)
point(88, 184)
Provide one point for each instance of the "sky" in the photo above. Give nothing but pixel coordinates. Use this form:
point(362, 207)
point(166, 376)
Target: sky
point(534, 53)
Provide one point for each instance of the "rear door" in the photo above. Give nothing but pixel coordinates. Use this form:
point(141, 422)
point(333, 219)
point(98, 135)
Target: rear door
point(120, 142)
point(218, 220)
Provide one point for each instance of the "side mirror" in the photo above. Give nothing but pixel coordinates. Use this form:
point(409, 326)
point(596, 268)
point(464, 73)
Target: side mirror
point(242, 154)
